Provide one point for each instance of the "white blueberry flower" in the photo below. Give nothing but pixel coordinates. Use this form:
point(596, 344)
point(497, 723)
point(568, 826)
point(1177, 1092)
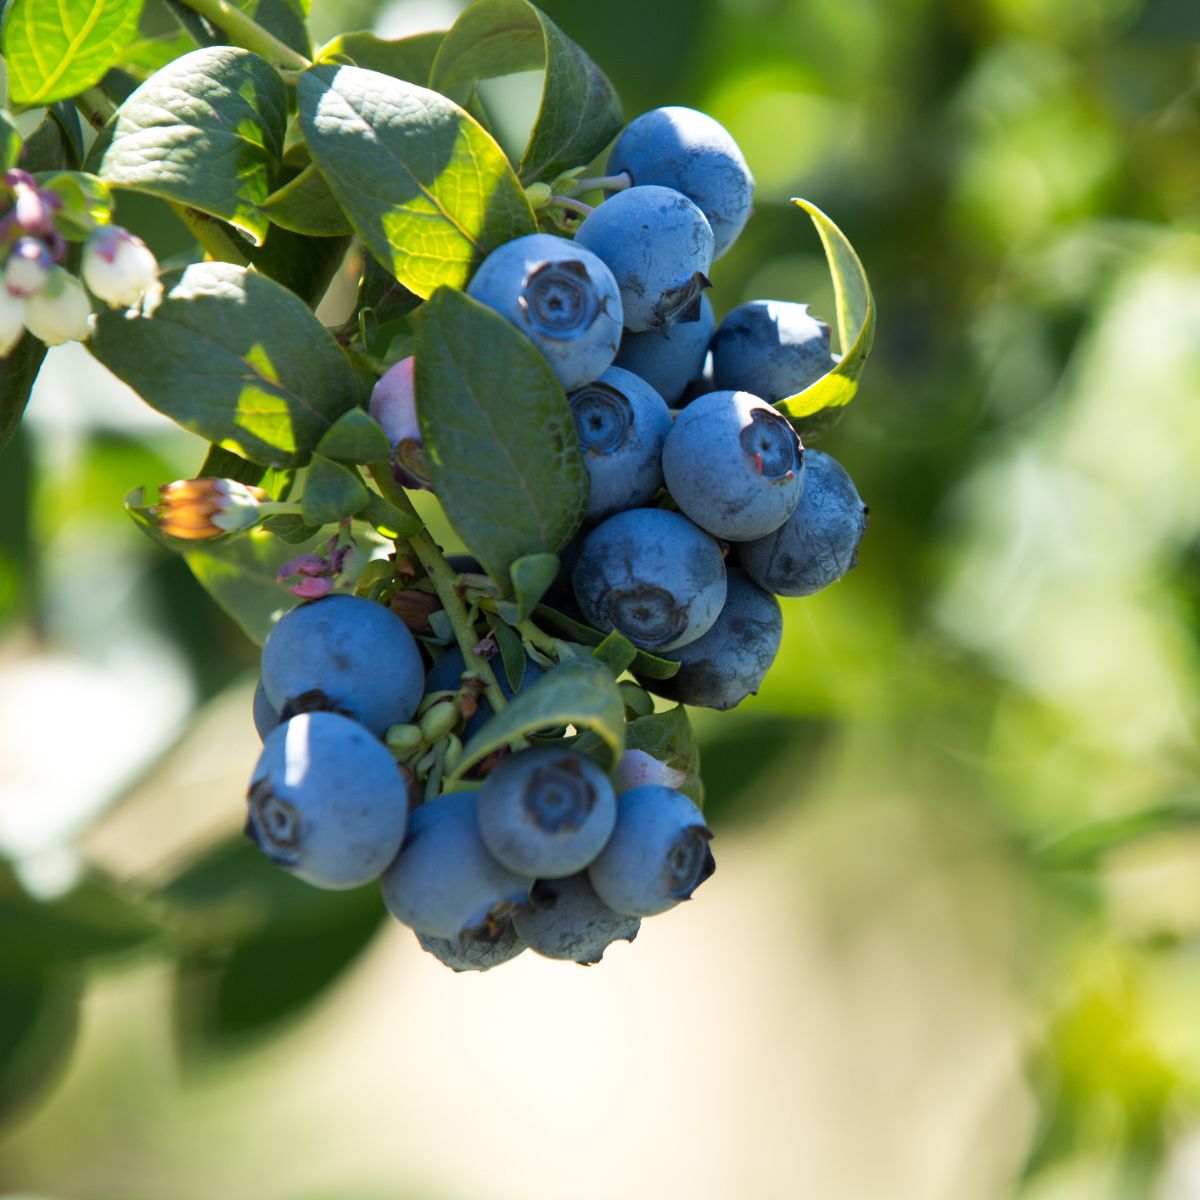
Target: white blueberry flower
point(118, 266)
point(28, 267)
point(60, 312)
point(12, 320)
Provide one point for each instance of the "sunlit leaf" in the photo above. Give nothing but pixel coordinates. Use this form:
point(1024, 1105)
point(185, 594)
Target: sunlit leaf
point(855, 321)
point(55, 51)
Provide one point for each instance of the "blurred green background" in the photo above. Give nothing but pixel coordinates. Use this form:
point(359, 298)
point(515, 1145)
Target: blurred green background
point(951, 950)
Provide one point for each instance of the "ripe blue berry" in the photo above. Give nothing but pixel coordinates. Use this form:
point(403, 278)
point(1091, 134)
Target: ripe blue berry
point(657, 856)
point(727, 664)
point(652, 575)
point(771, 348)
point(546, 812)
point(818, 544)
point(561, 296)
point(659, 247)
point(622, 423)
point(327, 801)
point(478, 951)
point(668, 360)
point(687, 150)
point(265, 716)
point(347, 654)
point(444, 883)
point(734, 465)
point(568, 920)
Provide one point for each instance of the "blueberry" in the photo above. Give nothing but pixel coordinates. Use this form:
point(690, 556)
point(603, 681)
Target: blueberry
point(818, 544)
point(265, 716)
point(657, 856)
point(478, 951)
point(771, 348)
point(637, 768)
point(659, 247)
point(734, 465)
point(327, 801)
point(652, 575)
point(729, 662)
point(668, 360)
point(561, 296)
point(622, 423)
point(687, 150)
point(393, 404)
point(347, 654)
point(444, 883)
point(546, 812)
point(446, 676)
point(568, 920)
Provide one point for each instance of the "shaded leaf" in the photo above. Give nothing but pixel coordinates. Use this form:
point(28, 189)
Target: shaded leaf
point(304, 265)
point(505, 460)
point(53, 52)
point(332, 492)
point(580, 693)
point(235, 357)
point(855, 320)
point(388, 519)
point(17, 374)
point(512, 655)
point(616, 652)
point(426, 189)
point(205, 131)
point(668, 737)
point(408, 58)
point(531, 576)
point(644, 663)
point(355, 437)
point(10, 141)
point(579, 112)
point(39, 1022)
point(306, 205)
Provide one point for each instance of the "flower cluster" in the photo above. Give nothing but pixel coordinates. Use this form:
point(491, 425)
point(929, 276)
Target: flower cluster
point(38, 293)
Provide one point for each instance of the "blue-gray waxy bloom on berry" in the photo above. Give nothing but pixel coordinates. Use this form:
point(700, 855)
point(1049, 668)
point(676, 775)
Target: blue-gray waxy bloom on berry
point(772, 348)
point(327, 801)
point(567, 920)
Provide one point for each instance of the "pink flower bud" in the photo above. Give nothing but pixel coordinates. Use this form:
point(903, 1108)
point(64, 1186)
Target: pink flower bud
point(60, 312)
point(117, 266)
point(312, 589)
point(310, 565)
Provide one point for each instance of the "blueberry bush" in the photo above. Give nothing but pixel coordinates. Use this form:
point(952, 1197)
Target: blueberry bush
point(452, 729)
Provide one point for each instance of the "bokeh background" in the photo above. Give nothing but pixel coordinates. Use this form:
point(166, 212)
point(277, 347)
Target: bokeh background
point(951, 947)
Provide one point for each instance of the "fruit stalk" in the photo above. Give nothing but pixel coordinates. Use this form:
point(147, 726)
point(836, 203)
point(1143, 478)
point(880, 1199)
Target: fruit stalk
point(247, 33)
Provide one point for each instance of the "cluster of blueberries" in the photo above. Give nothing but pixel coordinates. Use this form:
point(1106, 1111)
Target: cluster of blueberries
point(703, 507)
point(544, 854)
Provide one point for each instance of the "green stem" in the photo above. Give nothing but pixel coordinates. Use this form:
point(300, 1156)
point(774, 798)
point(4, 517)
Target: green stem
point(539, 639)
point(609, 183)
point(577, 207)
point(442, 576)
point(96, 107)
point(249, 34)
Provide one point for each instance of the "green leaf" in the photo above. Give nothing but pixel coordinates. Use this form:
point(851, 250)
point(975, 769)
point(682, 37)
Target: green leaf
point(147, 55)
point(855, 320)
point(512, 655)
point(86, 199)
point(39, 1022)
point(389, 520)
point(616, 652)
point(579, 112)
point(644, 663)
point(10, 141)
point(304, 265)
point(92, 921)
point(53, 52)
point(205, 131)
point(531, 576)
point(1082, 849)
point(47, 148)
point(668, 737)
point(234, 357)
point(355, 437)
point(17, 374)
point(306, 205)
point(332, 492)
point(409, 58)
point(424, 186)
point(505, 460)
point(239, 573)
point(291, 528)
point(580, 693)
point(267, 944)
